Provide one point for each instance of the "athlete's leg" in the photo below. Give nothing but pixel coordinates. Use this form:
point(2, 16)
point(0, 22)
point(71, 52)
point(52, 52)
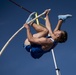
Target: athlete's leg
point(42, 32)
point(58, 26)
point(61, 19)
point(48, 23)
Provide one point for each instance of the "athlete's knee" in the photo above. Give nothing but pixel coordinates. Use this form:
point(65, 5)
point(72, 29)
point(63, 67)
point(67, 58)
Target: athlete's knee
point(46, 30)
point(26, 42)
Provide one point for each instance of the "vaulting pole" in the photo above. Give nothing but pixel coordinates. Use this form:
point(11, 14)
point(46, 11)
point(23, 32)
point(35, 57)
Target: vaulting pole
point(6, 44)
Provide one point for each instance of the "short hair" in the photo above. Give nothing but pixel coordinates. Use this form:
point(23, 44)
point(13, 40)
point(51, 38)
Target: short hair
point(63, 38)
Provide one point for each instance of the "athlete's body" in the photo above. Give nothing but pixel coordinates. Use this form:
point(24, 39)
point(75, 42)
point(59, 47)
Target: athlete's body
point(40, 39)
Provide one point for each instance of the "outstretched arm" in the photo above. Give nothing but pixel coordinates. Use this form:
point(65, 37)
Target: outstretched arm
point(29, 34)
point(48, 24)
point(58, 27)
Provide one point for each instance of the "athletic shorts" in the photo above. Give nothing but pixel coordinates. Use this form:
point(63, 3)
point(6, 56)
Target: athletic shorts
point(35, 50)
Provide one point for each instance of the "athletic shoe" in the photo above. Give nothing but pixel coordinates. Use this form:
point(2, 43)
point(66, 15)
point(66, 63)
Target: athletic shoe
point(64, 17)
point(31, 16)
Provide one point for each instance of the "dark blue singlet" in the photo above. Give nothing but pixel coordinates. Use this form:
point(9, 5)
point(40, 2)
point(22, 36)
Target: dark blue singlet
point(36, 50)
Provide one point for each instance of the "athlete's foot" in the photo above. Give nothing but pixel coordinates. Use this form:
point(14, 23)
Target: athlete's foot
point(64, 17)
point(47, 11)
point(31, 16)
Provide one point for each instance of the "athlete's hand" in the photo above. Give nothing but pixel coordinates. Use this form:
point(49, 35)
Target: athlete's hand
point(26, 26)
point(47, 11)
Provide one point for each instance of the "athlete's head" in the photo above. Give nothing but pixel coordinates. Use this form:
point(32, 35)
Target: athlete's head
point(61, 36)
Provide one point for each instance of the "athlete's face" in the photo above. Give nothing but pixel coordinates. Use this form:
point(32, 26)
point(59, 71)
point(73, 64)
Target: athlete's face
point(59, 33)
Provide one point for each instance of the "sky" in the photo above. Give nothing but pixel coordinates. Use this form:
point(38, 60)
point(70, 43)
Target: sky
point(15, 60)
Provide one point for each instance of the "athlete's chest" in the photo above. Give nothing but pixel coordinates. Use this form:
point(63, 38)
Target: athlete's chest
point(47, 47)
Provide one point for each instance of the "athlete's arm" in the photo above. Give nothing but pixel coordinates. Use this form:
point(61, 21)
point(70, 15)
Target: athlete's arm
point(48, 23)
point(40, 41)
